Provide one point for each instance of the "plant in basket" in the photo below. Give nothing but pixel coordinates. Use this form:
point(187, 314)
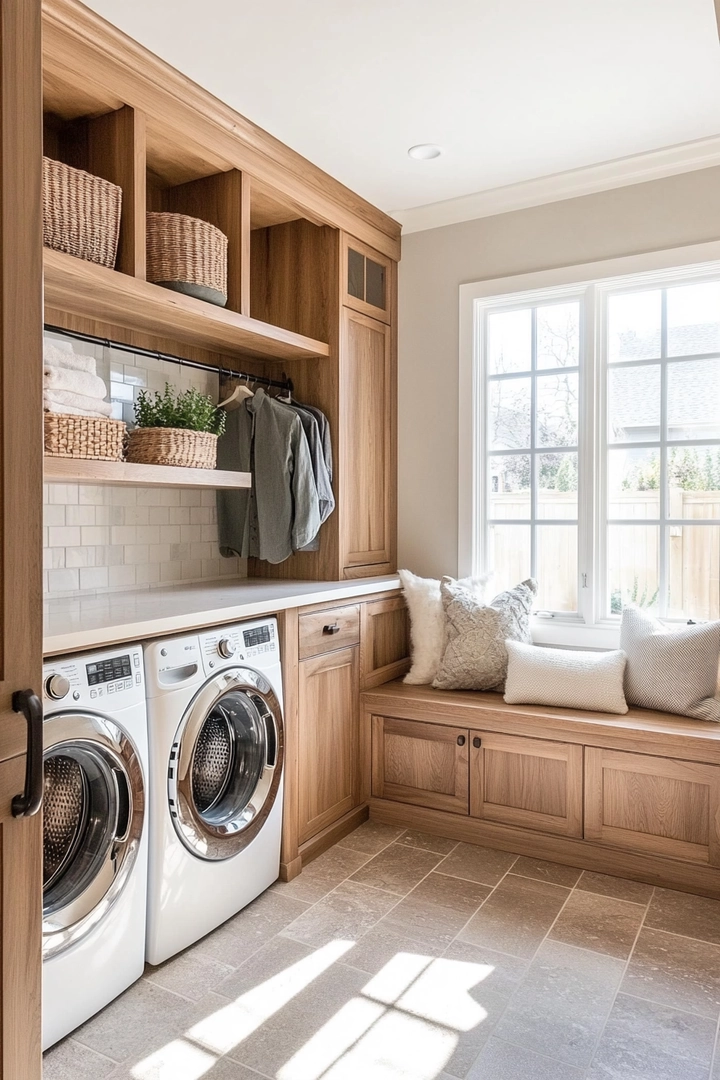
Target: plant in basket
point(175, 428)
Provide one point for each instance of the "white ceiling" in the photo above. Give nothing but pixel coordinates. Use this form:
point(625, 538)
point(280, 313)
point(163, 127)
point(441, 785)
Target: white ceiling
point(511, 89)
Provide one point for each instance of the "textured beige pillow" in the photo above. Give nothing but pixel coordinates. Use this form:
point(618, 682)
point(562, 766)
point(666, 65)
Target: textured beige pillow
point(427, 622)
point(566, 677)
point(475, 655)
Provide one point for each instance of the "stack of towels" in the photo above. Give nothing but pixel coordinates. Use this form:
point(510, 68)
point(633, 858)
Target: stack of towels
point(71, 384)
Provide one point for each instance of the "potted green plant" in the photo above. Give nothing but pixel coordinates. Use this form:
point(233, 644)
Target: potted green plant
point(175, 428)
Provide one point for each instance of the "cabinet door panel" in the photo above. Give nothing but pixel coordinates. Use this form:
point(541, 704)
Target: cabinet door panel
point(384, 646)
point(328, 739)
point(367, 441)
point(366, 279)
point(531, 783)
point(657, 805)
point(424, 764)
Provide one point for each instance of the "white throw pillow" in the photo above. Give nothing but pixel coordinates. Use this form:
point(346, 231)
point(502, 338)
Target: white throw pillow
point(565, 677)
point(427, 622)
point(671, 670)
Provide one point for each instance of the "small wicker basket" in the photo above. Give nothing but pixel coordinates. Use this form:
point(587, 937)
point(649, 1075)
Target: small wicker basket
point(94, 437)
point(187, 255)
point(172, 446)
point(81, 213)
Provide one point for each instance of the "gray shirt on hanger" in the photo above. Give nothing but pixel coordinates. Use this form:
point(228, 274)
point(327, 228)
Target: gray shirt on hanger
point(280, 513)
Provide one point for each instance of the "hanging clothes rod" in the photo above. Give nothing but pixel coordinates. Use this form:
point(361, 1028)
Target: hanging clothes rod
point(154, 354)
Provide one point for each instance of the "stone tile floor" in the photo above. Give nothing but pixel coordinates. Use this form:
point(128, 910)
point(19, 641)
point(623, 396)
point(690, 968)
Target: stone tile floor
point(402, 956)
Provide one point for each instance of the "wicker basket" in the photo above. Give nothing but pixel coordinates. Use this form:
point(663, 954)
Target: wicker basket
point(187, 255)
point(93, 437)
point(172, 446)
point(81, 213)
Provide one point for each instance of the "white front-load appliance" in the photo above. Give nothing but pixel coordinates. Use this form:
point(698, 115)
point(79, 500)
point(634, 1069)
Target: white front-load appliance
point(216, 755)
point(94, 833)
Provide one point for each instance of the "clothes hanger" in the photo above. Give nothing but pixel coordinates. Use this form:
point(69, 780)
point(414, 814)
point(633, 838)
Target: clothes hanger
point(239, 394)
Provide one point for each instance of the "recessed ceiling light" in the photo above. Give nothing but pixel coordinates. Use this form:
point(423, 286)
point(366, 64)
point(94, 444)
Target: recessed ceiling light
point(424, 151)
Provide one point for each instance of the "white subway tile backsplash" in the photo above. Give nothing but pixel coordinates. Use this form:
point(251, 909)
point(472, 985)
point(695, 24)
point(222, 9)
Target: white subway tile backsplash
point(99, 537)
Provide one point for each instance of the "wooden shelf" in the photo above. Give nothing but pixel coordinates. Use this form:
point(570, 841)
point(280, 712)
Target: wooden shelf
point(82, 288)
point(79, 471)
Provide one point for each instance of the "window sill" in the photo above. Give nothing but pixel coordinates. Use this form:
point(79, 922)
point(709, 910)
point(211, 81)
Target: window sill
point(575, 635)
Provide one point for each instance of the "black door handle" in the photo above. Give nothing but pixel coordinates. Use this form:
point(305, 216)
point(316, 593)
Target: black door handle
point(331, 628)
point(477, 743)
point(27, 804)
point(461, 740)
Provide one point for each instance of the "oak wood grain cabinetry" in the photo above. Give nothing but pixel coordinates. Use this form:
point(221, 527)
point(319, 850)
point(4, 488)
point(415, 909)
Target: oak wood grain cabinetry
point(533, 783)
point(328, 743)
point(384, 642)
point(658, 805)
point(323, 631)
point(419, 763)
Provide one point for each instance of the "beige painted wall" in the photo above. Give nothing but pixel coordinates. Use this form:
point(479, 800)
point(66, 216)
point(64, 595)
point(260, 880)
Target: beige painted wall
point(660, 214)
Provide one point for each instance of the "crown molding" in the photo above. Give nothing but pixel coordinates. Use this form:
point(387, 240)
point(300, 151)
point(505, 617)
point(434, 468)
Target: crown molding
point(621, 172)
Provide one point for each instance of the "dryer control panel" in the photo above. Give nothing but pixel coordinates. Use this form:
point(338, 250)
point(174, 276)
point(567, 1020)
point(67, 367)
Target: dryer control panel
point(112, 679)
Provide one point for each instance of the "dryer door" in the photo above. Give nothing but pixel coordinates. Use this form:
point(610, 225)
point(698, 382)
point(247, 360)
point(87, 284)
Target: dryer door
point(94, 807)
point(225, 764)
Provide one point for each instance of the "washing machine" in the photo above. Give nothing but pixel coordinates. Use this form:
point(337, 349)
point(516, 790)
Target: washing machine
point(216, 759)
point(94, 833)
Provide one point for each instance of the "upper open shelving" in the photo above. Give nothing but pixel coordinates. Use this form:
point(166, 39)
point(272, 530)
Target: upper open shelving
point(82, 471)
point(91, 291)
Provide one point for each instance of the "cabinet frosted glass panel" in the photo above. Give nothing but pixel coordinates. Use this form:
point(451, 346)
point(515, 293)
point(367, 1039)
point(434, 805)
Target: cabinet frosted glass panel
point(356, 274)
point(374, 283)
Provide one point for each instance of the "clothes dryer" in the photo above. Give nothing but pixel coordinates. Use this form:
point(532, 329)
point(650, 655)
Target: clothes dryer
point(216, 757)
point(94, 834)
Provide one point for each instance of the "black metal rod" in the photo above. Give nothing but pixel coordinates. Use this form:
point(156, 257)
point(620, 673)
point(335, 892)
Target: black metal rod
point(154, 354)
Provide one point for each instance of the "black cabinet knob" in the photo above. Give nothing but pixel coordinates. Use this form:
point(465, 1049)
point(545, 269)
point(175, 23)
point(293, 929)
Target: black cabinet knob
point(477, 743)
point(461, 740)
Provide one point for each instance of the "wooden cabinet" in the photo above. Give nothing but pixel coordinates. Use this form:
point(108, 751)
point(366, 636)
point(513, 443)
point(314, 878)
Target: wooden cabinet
point(366, 280)
point(384, 654)
point(651, 804)
point(328, 630)
point(532, 783)
point(328, 709)
point(419, 763)
point(367, 503)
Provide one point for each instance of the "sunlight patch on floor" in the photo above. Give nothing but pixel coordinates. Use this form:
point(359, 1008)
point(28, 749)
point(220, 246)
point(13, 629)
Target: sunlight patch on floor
point(179, 1060)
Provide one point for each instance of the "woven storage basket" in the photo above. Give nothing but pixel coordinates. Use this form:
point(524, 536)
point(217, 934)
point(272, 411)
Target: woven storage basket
point(81, 213)
point(93, 437)
point(172, 446)
point(187, 255)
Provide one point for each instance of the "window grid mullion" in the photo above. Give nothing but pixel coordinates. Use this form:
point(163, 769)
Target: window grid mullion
point(662, 598)
point(533, 456)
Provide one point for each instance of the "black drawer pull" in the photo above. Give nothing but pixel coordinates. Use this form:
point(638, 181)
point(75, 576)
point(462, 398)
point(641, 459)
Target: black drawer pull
point(331, 628)
point(461, 740)
point(477, 743)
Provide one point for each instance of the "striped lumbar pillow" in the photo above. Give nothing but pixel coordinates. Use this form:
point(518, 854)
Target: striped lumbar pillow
point(566, 677)
point(671, 670)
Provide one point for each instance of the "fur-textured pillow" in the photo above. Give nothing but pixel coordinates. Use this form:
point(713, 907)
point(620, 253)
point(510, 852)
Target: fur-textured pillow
point(565, 677)
point(427, 622)
point(476, 656)
point(671, 670)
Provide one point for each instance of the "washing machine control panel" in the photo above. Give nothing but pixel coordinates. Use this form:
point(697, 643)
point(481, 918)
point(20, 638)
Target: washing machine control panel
point(256, 642)
point(111, 679)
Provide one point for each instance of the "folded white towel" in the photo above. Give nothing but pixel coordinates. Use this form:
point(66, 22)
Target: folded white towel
point(79, 382)
point(68, 410)
point(90, 406)
point(59, 356)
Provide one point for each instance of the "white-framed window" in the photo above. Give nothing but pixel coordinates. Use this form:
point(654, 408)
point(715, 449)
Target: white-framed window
point(590, 439)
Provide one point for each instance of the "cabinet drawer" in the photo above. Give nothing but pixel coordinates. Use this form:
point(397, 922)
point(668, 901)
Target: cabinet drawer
point(323, 631)
point(650, 804)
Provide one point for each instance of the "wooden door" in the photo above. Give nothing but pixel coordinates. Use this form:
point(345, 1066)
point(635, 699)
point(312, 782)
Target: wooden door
point(423, 764)
point(384, 641)
point(368, 445)
point(20, 528)
point(366, 280)
point(653, 804)
point(328, 739)
point(530, 783)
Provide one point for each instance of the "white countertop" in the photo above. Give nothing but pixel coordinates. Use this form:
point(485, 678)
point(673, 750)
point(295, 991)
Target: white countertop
point(98, 620)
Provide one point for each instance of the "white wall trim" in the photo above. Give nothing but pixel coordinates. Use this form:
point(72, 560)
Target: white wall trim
point(621, 172)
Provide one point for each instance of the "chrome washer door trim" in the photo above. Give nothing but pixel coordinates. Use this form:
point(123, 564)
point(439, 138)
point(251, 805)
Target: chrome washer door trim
point(96, 740)
point(224, 838)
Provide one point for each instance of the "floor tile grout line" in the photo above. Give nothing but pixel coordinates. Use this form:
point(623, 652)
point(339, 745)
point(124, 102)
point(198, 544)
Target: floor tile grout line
point(71, 1038)
point(714, 1057)
point(582, 1069)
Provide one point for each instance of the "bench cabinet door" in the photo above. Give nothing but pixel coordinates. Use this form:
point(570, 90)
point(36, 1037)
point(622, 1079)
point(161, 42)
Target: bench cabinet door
point(529, 783)
point(651, 804)
point(419, 763)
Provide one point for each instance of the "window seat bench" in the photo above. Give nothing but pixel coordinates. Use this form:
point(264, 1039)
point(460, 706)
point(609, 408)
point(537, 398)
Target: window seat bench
point(636, 796)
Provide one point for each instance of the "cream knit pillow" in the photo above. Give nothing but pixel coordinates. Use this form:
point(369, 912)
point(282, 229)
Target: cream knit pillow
point(565, 677)
point(427, 622)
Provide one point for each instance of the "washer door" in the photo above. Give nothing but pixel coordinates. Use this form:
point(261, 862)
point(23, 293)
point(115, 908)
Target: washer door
point(93, 811)
point(225, 764)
